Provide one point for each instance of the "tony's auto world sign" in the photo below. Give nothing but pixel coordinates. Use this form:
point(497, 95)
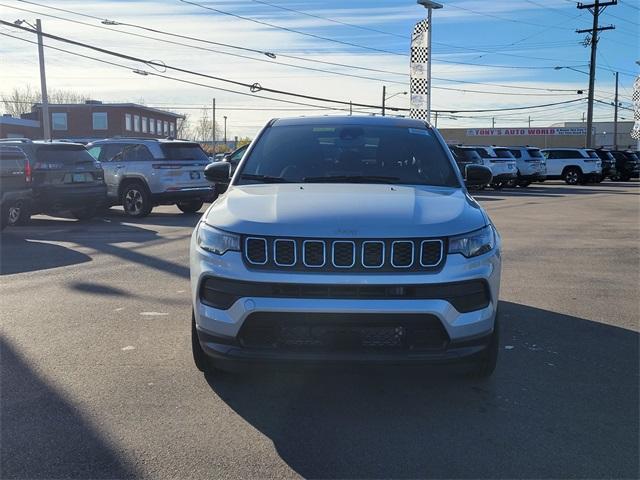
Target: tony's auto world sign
point(496, 132)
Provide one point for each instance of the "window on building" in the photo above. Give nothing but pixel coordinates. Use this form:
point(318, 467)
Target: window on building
point(172, 129)
point(100, 121)
point(144, 124)
point(152, 126)
point(136, 123)
point(59, 121)
point(127, 122)
point(166, 128)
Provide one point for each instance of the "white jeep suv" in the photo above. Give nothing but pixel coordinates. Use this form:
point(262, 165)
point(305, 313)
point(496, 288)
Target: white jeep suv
point(573, 165)
point(345, 239)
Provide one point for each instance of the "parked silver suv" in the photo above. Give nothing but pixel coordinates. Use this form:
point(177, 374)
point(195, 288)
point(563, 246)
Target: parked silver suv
point(141, 173)
point(345, 239)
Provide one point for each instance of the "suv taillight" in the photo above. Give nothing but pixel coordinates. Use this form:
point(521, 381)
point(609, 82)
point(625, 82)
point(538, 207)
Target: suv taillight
point(27, 172)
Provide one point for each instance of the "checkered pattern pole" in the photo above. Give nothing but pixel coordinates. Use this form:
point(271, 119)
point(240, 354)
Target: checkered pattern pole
point(635, 133)
point(419, 71)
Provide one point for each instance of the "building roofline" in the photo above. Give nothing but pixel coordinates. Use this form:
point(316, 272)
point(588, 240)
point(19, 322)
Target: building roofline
point(111, 105)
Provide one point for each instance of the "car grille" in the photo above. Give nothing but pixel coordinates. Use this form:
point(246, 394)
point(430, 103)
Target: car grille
point(328, 332)
point(361, 255)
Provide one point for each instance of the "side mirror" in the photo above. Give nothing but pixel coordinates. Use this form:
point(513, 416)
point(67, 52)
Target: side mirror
point(477, 175)
point(218, 172)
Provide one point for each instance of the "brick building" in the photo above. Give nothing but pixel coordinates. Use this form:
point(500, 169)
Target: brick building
point(94, 119)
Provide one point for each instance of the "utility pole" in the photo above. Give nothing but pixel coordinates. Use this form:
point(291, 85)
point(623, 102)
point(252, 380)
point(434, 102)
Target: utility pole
point(350, 108)
point(46, 125)
point(615, 117)
point(384, 97)
point(493, 122)
point(436, 118)
point(225, 129)
point(529, 121)
point(213, 127)
point(596, 9)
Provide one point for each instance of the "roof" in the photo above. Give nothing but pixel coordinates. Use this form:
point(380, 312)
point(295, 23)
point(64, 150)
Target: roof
point(351, 120)
point(20, 122)
point(111, 105)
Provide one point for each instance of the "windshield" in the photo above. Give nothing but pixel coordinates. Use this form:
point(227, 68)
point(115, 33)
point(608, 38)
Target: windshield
point(484, 153)
point(63, 154)
point(592, 154)
point(348, 154)
point(184, 151)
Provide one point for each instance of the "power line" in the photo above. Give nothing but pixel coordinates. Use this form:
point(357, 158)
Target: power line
point(291, 30)
point(253, 92)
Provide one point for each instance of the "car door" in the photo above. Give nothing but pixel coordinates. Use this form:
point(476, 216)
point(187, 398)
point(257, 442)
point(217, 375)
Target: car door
point(111, 159)
point(554, 162)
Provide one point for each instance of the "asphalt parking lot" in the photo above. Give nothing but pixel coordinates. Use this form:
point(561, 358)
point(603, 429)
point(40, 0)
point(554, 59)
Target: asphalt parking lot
point(98, 381)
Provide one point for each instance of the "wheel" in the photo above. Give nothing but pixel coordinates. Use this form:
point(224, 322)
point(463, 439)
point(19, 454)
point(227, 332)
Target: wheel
point(192, 206)
point(84, 213)
point(136, 200)
point(573, 176)
point(497, 185)
point(486, 363)
point(524, 183)
point(203, 363)
point(513, 183)
point(17, 213)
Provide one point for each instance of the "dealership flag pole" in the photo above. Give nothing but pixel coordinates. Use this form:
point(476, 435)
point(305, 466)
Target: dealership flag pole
point(420, 81)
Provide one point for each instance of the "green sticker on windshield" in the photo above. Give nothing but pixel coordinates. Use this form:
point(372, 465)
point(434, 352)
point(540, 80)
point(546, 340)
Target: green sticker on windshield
point(419, 131)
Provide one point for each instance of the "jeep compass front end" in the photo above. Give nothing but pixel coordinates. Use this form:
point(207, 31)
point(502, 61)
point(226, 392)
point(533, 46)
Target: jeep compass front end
point(345, 239)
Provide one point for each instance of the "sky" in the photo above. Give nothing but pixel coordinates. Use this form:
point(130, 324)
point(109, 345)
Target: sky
point(486, 55)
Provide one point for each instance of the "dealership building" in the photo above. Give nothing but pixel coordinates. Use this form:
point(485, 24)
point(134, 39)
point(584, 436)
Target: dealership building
point(569, 134)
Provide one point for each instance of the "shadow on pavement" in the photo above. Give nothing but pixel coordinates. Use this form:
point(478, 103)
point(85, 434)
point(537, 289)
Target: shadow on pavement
point(26, 249)
point(562, 403)
point(43, 435)
point(550, 190)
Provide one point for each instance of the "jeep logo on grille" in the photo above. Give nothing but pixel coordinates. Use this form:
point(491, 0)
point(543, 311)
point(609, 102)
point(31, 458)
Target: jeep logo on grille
point(346, 231)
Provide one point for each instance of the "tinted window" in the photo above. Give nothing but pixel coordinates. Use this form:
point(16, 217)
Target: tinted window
point(467, 155)
point(184, 151)
point(237, 155)
point(110, 150)
point(592, 154)
point(516, 153)
point(350, 153)
point(503, 153)
point(484, 153)
point(534, 153)
point(63, 154)
point(137, 153)
point(95, 151)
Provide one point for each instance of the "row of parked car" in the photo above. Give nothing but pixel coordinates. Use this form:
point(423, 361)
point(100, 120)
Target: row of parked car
point(520, 166)
point(140, 173)
point(61, 176)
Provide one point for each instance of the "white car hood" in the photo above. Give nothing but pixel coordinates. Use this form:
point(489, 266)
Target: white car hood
point(345, 211)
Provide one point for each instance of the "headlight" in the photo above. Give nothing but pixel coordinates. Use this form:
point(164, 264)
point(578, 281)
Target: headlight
point(474, 243)
point(216, 241)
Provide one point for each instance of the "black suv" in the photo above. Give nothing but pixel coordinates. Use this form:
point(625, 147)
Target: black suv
point(627, 165)
point(608, 163)
point(15, 185)
point(64, 178)
point(464, 157)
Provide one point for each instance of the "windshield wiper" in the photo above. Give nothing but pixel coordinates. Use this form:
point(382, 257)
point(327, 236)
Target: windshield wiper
point(351, 179)
point(264, 178)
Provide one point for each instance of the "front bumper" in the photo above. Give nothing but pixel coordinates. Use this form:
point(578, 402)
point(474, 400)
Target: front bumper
point(534, 177)
point(221, 334)
point(503, 177)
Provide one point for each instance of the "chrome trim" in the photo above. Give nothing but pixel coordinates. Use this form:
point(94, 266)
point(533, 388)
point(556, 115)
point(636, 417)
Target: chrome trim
point(333, 253)
point(324, 253)
point(246, 250)
point(441, 252)
point(295, 252)
point(363, 250)
point(413, 253)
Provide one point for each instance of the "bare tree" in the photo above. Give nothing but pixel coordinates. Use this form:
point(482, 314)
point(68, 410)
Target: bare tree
point(202, 130)
point(183, 127)
point(20, 100)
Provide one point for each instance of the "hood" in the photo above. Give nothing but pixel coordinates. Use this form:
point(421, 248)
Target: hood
point(345, 211)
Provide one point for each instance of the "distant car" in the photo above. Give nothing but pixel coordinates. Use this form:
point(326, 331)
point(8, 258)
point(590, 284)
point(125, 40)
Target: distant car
point(573, 165)
point(218, 157)
point(15, 185)
point(627, 165)
point(530, 163)
point(64, 178)
point(503, 168)
point(234, 157)
point(464, 157)
point(608, 163)
point(143, 173)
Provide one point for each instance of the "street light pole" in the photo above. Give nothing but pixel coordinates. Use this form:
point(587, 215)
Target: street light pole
point(615, 117)
point(384, 97)
point(46, 125)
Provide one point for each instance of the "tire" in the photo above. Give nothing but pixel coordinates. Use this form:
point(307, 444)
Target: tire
point(191, 206)
point(573, 176)
point(486, 364)
point(202, 361)
point(16, 213)
point(524, 183)
point(497, 185)
point(136, 200)
point(84, 214)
